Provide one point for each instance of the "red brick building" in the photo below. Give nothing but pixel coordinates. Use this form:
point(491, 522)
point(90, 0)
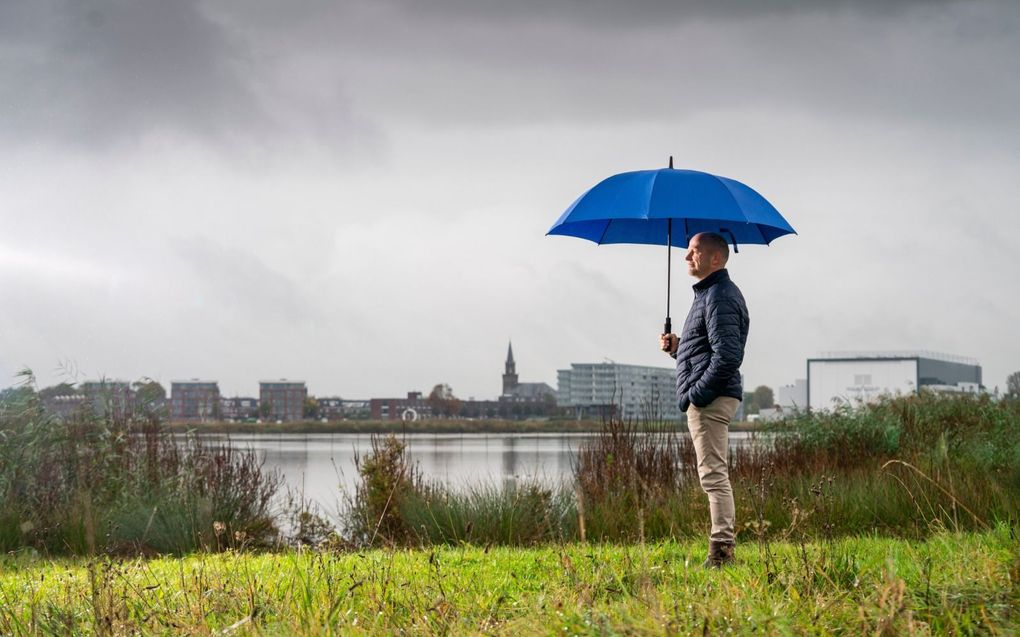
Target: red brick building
point(194, 400)
point(414, 407)
point(282, 400)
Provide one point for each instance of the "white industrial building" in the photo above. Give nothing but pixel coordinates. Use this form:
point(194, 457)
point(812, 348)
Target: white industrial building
point(793, 397)
point(837, 378)
point(635, 391)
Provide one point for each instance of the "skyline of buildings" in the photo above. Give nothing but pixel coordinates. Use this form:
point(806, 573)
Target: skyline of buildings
point(639, 391)
point(584, 390)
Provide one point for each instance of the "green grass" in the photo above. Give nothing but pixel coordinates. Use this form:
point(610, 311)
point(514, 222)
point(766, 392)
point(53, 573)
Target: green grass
point(947, 584)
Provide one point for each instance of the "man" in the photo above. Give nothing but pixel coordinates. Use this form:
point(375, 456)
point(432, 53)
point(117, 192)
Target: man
point(708, 386)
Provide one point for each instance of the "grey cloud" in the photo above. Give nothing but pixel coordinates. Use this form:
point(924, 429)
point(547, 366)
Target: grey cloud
point(639, 13)
point(259, 72)
point(105, 70)
point(454, 63)
point(849, 119)
point(108, 71)
point(235, 284)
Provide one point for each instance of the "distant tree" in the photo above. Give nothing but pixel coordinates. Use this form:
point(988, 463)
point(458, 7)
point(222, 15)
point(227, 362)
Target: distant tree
point(1013, 385)
point(311, 408)
point(442, 401)
point(265, 408)
point(148, 392)
point(62, 389)
point(16, 395)
point(548, 404)
point(750, 405)
point(763, 397)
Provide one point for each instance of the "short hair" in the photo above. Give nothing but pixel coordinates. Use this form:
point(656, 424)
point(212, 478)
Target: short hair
point(716, 243)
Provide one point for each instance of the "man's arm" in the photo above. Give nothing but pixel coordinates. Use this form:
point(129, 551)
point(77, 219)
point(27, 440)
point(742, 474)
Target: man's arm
point(722, 319)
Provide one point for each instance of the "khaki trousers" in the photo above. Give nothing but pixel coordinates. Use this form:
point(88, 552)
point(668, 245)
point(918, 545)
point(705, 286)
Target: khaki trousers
point(709, 428)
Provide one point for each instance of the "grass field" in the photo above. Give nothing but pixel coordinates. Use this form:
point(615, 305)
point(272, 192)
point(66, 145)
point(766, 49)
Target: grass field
point(947, 584)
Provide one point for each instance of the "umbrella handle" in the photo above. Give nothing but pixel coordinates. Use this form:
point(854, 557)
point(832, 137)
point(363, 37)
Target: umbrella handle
point(669, 326)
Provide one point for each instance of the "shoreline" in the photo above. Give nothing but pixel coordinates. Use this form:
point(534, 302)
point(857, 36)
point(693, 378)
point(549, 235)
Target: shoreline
point(436, 426)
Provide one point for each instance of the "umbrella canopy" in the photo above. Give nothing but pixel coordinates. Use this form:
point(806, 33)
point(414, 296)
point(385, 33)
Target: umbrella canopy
point(668, 207)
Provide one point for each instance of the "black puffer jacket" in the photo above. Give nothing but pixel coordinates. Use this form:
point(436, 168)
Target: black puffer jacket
point(712, 343)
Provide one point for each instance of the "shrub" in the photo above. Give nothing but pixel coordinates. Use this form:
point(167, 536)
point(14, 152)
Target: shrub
point(630, 478)
point(116, 482)
point(844, 437)
point(394, 505)
point(387, 478)
point(514, 513)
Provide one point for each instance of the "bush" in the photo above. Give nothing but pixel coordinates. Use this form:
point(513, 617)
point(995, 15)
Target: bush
point(118, 483)
point(393, 505)
point(974, 433)
point(630, 478)
point(516, 514)
point(844, 437)
point(387, 479)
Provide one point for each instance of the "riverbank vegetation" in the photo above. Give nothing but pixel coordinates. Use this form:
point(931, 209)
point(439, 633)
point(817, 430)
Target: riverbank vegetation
point(902, 467)
point(106, 482)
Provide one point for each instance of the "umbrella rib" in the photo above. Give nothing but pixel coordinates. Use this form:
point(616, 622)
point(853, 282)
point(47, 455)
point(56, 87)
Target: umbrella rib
point(737, 204)
point(730, 193)
point(604, 231)
point(651, 189)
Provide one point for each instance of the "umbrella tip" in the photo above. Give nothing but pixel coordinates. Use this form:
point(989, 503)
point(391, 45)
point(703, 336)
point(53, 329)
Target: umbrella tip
point(670, 161)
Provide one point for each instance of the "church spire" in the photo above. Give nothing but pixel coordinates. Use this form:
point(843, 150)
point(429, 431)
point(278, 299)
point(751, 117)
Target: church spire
point(510, 372)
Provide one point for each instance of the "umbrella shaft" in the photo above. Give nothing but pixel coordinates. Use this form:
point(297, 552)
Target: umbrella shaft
point(669, 270)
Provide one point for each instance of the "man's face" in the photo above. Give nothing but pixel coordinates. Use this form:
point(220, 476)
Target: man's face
point(701, 259)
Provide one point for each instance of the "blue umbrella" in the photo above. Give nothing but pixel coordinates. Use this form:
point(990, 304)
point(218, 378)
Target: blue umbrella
point(648, 206)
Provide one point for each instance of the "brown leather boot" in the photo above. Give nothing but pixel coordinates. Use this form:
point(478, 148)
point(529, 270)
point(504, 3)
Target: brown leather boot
point(719, 554)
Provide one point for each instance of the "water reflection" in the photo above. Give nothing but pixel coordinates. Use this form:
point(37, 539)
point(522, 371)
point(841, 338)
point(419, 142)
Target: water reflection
point(322, 466)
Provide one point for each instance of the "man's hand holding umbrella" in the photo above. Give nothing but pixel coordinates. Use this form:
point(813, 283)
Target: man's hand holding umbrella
point(669, 343)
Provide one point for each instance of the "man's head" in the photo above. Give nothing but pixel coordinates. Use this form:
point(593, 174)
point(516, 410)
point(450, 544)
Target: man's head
point(706, 253)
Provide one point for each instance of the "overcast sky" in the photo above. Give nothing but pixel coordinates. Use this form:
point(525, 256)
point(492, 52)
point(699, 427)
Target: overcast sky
point(356, 194)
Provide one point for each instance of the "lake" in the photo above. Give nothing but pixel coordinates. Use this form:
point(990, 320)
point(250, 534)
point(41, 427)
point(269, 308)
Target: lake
point(321, 465)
